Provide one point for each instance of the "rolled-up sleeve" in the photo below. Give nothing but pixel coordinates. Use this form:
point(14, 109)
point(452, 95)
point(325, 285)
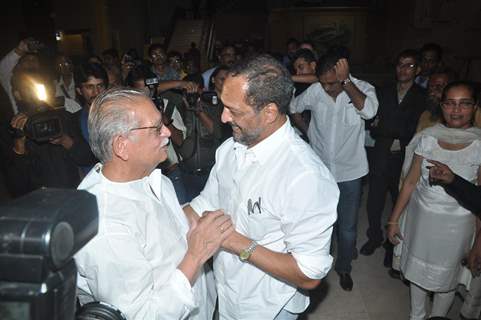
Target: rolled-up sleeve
point(208, 199)
point(308, 221)
point(371, 103)
point(115, 270)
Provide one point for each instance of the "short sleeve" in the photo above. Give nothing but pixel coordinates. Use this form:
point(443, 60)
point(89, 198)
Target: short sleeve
point(304, 101)
point(425, 147)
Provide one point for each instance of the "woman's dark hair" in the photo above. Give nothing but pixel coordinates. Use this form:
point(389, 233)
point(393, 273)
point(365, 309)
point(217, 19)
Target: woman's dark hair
point(467, 84)
point(214, 74)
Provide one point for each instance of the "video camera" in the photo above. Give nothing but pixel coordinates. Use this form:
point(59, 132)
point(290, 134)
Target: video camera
point(45, 114)
point(152, 84)
point(39, 234)
point(209, 97)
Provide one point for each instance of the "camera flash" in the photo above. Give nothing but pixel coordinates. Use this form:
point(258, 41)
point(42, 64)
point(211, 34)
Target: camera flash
point(41, 92)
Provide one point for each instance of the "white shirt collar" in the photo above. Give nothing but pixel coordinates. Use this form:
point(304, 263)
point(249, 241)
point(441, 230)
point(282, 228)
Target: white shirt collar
point(135, 189)
point(264, 149)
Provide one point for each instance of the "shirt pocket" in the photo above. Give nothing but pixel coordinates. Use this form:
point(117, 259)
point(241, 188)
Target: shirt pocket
point(261, 221)
point(351, 117)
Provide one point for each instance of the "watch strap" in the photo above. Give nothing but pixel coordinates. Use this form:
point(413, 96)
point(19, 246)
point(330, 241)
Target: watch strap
point(245, 254)
point(344, 82)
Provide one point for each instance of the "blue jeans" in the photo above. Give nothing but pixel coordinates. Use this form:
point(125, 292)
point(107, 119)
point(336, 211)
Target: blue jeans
point(346, 226)
point(177, 179)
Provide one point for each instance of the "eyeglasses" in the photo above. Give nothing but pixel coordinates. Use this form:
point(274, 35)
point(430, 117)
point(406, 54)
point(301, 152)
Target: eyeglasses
point(406, 66)
point(158, 128)
point(463, 104)
point(158, 55)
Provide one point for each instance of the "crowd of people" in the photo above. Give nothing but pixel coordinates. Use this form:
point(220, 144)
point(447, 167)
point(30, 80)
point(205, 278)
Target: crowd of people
point(257, 161)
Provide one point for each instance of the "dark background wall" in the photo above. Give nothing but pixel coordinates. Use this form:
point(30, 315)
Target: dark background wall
point(388, 27)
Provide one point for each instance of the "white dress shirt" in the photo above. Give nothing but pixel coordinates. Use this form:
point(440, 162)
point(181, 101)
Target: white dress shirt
point(71, 105)
point(336, 131)
point(178, 123)
point(132, 262)
point(279, 194)
point(66, 91)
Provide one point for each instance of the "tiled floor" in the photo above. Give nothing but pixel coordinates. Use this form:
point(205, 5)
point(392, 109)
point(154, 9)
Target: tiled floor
point(375, 295)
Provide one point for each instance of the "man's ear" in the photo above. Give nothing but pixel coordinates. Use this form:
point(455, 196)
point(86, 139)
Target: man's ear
point(120, 147)
point(78, 91)
point(271, 112)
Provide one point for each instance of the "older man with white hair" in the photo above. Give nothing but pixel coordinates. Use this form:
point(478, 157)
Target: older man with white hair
point(146, 260)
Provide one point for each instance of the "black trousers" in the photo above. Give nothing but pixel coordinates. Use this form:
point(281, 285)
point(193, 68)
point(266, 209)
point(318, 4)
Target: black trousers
point(379, 185)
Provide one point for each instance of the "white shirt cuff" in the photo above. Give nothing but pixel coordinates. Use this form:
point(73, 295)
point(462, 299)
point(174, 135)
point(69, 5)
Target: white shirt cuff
point(183, 289)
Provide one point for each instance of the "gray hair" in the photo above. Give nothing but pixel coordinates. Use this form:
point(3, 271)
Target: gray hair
point(110, 115)
point(268, 81)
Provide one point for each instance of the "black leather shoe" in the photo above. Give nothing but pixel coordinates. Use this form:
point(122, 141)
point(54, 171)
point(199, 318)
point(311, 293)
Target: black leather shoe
point(394, 274)
point(369, 247)
point(345, 281)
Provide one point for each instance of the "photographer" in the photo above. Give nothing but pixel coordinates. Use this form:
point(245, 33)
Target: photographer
point(24, 55)
point(47, 160)
point(204, 133)
point(167, 103)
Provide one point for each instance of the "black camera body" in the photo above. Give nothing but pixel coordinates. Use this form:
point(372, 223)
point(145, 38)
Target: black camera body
point(208, 97)
point(44, 122)
point(39, 234)
point(44, 126)
point(152, 84)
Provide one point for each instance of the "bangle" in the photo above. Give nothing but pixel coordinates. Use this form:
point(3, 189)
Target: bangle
point(392, 222)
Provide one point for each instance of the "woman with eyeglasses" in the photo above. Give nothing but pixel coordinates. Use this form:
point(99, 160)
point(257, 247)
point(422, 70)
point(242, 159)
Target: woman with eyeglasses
point(432, 231)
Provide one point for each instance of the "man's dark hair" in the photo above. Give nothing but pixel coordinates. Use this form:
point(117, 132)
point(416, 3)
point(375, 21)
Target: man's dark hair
point(450, 73)
point(327, 63)
point(305, 54)
point(155, 46)
point(471, 86)
point(433, 47)
point(84, 71)
point(138, 73)
point(409, 53)
point(268, 81)
point(111, 52)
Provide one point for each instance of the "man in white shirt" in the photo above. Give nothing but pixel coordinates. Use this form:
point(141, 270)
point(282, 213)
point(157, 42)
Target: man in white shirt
point(145, 260)
point(269, 181)
point(339, 104)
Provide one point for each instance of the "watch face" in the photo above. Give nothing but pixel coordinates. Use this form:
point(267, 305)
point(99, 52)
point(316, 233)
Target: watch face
point(244, 255)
